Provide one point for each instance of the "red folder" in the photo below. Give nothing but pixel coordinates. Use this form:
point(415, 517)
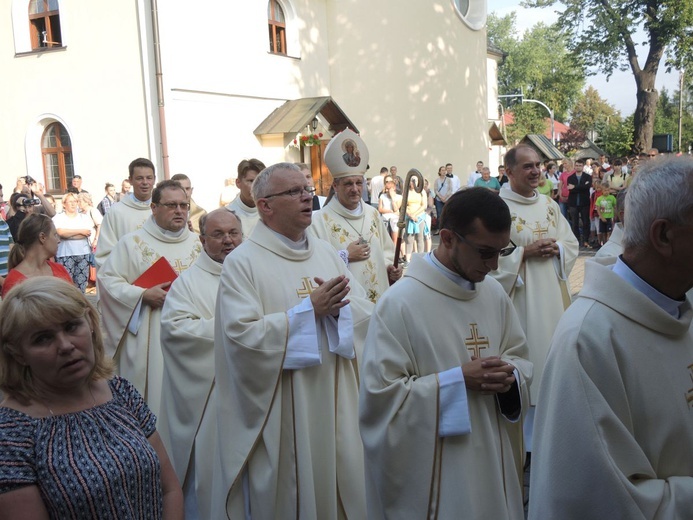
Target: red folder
point(159, 272)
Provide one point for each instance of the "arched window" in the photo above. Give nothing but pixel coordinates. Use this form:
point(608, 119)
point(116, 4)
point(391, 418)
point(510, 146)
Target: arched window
point(44, 24)
point(472, 12)
point(277, 27)
point(57, 158)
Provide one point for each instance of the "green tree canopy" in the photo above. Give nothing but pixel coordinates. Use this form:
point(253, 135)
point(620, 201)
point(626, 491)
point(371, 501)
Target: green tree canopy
point(537, 64)
point(605, 33)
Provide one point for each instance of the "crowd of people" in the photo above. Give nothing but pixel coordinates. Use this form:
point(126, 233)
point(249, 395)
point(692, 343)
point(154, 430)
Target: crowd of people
point(278, 357)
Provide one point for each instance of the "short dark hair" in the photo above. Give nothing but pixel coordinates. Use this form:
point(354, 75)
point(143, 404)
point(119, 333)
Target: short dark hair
point(140, 162)
point(464, 207)
point(384, 169)
point(448, 164)
point(510, 159)
point(108, 185)
point(247, 165)
point(165, 185)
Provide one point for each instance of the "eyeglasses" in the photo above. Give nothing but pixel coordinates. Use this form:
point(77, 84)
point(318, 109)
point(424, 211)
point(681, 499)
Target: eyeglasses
point(173, 205)
point(220, 235)
point(487, 254)
point(653, 155)
point(294, 193)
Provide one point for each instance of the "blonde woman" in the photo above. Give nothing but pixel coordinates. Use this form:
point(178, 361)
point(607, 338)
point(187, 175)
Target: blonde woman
point(74, 229)
point(75, 441)
point(86, 206)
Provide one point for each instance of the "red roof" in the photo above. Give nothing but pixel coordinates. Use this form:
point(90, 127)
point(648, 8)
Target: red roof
point(558, 127)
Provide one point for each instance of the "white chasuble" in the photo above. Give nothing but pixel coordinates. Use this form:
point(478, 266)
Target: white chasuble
point(289, 437)
point(137, 352)
point(538, 287)
point(187, 423)
point(336, 225)
point(124, 217)
point(247, 215)
point(423, 326)
point(614, 425)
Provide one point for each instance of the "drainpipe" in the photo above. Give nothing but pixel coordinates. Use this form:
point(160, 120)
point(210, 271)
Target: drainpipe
point(160, 88)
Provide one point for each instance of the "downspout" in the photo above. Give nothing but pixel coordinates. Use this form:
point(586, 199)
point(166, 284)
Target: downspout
point(160, 88)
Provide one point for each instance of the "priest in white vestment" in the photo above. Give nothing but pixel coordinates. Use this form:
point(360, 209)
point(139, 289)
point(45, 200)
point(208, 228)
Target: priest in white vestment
point(353, 227)
point(188, 414)
point(131, 314)
point(614, 422)
point(536, 274)
point(444, 378)
point(130, 213)
point(288, 337)
point(243, 205)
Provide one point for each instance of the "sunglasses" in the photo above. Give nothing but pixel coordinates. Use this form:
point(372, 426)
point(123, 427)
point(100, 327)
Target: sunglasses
point(487, 254)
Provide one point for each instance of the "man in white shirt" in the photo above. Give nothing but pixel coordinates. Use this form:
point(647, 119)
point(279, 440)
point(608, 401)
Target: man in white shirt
point(377, 186)
point(476, 174)
point(244, 205)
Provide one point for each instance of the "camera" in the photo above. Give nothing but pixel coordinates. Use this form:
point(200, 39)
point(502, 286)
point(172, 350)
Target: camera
point(30, 202)
point(29, 180)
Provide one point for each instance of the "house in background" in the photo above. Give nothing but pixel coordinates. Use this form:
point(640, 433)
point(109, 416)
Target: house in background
point(187, 85)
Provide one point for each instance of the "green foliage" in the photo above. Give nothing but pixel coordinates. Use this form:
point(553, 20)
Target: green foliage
point(667, 119)
point(529, 119)
point(537, 64)
point(591, 111)
point(604, 33)
point(617, 138)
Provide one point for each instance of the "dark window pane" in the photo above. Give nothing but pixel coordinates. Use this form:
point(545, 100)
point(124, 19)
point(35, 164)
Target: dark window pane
point(56, 36)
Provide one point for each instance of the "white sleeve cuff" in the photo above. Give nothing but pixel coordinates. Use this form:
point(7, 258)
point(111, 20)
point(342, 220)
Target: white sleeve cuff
point(340, 333)
point(302, 347)
point(453, 416)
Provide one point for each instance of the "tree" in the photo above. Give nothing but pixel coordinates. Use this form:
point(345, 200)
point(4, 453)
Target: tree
point(617, 138)
point(591, 112)
point(539, 64)
point(571, 140)
point(528, 119)
point(605, 33)
point(667, 119)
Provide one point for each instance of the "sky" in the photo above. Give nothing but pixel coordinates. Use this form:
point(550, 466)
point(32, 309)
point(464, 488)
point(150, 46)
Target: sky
point(619, 91)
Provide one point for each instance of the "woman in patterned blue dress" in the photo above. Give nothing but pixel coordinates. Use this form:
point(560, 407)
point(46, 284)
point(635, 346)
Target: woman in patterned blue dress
point(75, 442)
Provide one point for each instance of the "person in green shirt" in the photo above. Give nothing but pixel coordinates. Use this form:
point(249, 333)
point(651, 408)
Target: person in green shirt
point(486, 181)
point(545, 186)
point(606, 204)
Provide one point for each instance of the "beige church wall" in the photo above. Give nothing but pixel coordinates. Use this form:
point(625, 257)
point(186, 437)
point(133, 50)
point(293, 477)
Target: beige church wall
point(413, 78)
point(221, 82)
point(93, 86)
point(495, 152)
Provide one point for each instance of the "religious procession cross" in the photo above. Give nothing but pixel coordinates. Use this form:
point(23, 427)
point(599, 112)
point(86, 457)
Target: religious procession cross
point(307, 288)
point(539, 232)
point(476, 343)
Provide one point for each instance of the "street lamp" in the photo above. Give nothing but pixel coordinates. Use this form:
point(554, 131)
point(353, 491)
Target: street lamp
point(553, 133)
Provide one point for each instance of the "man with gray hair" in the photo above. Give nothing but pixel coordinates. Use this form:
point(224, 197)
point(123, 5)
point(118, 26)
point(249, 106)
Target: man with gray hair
point(187, 423)
point(613, 431)
point(287, 341)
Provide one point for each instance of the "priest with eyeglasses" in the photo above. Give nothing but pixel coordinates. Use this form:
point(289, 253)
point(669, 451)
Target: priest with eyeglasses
point(289, 330)
point(445, 376)
point(132, 313)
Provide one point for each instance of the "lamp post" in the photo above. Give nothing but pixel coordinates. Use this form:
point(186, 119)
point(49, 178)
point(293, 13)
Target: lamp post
point(553, 133)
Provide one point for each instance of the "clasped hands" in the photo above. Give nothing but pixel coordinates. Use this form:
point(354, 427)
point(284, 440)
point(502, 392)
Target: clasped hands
point(542, 248)
point(489, 375)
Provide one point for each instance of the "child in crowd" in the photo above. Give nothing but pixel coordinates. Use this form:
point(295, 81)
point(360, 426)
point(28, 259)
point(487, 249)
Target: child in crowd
point(594, 215)
point(606, 205)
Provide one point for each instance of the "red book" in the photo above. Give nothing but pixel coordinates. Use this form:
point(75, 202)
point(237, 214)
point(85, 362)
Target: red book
point(159, 272)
